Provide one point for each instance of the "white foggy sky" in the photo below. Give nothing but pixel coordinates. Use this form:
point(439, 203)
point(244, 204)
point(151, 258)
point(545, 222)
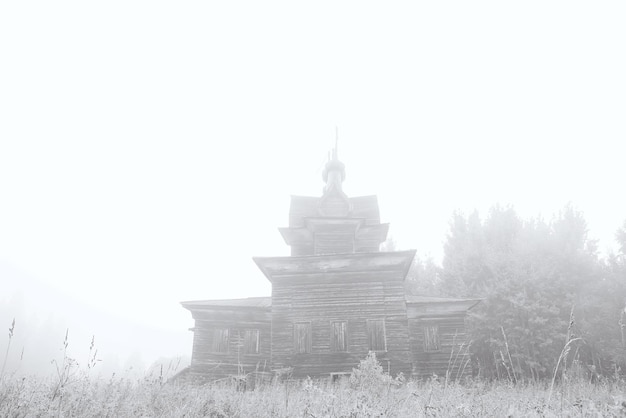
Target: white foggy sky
point(148, 149)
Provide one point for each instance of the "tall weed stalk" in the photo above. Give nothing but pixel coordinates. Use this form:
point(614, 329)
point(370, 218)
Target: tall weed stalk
point(6, 354)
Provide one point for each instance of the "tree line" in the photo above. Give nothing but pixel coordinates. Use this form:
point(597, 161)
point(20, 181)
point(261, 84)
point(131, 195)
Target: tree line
point(543, 284)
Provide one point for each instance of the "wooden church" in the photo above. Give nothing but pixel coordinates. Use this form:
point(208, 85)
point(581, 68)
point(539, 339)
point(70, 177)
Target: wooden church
point(336, 298)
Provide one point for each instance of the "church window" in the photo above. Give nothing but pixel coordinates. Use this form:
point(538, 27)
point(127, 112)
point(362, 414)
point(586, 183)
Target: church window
point(219, 340)
point(431, 338)
point(251, 341)
point(376, 335)
point(339, 336)
point(302, 337)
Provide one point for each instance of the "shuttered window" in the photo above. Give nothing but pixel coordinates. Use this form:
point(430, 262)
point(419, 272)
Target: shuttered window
point(251, 341)
point(302, 337)
point(376, 335)
point(219, 340)
point(339, 336)
point(431, 338)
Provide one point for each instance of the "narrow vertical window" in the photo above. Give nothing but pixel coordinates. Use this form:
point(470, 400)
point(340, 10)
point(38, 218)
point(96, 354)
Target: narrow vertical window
point(251, 341)
point(339, 336)
point(302, 337)
point(376, 335)
point(431, 338)
point(219, 340)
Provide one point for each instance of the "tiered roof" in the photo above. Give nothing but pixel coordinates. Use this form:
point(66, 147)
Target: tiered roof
point(334, 223)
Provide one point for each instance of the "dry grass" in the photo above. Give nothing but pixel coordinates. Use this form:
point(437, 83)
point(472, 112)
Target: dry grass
point(368, 394)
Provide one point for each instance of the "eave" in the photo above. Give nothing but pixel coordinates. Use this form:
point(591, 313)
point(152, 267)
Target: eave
point(252, 303)
point(423, 305)
point(280, 267)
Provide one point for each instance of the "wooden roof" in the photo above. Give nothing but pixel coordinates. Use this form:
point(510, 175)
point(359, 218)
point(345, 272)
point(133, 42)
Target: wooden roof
point(253, 302)
point(427, 306)
point(432, 299)
point(266, 302)
point(309, 266)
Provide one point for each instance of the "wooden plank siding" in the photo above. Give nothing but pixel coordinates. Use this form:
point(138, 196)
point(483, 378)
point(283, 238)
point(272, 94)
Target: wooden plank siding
point(438, 338)
point(344, 293)
point(338, 333)
point(307, 206)
point(337, 310)
point(325, 243)
point(451, 356)
point(240, 357)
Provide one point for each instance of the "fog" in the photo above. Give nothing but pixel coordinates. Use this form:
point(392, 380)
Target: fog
point(45, 316)
point(148, 151)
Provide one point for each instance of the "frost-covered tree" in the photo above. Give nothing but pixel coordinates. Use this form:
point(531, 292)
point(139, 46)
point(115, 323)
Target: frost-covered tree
point(530, 273)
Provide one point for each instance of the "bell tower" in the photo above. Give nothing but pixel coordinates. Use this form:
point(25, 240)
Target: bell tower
point(334, 223)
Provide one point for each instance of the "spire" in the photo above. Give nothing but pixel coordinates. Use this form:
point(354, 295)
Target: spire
point(335, 171)
point(334, 202)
